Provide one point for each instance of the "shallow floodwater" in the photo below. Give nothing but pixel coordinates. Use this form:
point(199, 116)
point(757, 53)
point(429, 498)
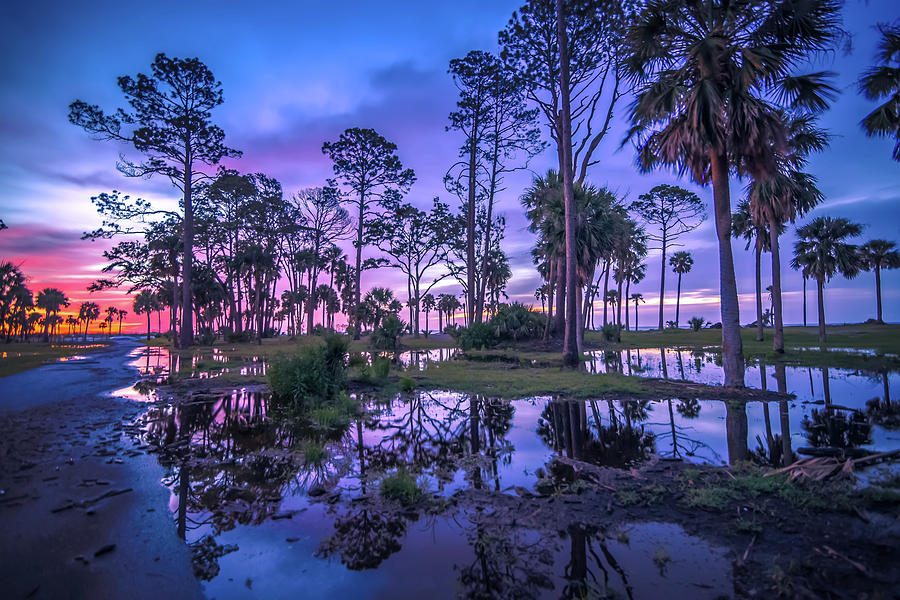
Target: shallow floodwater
point(279, 512)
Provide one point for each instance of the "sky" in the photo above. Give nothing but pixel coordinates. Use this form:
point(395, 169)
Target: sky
point(296, 74)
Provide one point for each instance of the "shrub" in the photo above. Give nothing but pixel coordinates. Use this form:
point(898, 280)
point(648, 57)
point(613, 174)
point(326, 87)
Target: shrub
point(696, 323)
point(517, 322)
point(312, 378)
point(407, 384)
point(381, 366)
point(387, 335)
point(477, 336)
point(611, 332)
point(402, 487)
point(207, 337)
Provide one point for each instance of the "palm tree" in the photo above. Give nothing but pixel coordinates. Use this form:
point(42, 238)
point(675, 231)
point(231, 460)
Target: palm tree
point(111, 312)
point(743, 226)
point(428, 305)
point(882, 82)
point(822, 251)
point(780, 196)
point(51, 300)
point(877, 255)
point(681, 263)
point(145, 303)
point(636, 299)
point(122, 314)
point(87, 312)
point(708, 74)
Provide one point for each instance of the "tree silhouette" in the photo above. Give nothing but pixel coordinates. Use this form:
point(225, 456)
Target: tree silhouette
point(367, 164)
point(669, 212)
point(170, 123)
point(50, 300)
point(877, 255)
point(681, 263)
point(144, 304)
point(87, 312)
point(822, 252)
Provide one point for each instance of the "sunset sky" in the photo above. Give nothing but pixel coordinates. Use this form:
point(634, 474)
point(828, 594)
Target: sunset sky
point(296, 74)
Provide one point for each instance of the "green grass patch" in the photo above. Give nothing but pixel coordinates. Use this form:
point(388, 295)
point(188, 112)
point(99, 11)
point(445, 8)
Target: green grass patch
point(513, 381)
point(401, 486)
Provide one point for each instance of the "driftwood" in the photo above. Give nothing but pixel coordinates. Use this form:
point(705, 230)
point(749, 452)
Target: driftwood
point(824, 467)
point(834, 452)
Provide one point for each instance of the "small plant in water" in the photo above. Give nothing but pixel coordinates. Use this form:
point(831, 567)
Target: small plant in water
point(314, 453)
point(401, 486)
point(661, 559)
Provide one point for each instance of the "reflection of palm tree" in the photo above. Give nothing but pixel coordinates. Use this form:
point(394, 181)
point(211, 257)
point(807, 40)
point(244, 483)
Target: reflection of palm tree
point(736, 431)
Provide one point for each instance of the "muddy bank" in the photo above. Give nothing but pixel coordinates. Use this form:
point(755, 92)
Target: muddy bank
point(82, 510)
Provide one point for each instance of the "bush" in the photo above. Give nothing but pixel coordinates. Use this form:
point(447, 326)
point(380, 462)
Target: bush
point(312, 378)
point(381, 366)
point(696, 323)
point(478, 336)
point(611, 332)
point(407, 384)
point(232, 337)
point(517, 322)
point(402, 487)
point(387, 335)
point(207, 337)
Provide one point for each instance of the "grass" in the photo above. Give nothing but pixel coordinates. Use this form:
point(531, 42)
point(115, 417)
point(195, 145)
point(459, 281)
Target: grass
point(16, 358)
point(511, 382)
point(401, 486)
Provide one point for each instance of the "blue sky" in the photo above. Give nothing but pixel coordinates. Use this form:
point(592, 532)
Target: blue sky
point(296, 74)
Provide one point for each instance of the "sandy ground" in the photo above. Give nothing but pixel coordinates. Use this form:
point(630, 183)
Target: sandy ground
point(83, 514)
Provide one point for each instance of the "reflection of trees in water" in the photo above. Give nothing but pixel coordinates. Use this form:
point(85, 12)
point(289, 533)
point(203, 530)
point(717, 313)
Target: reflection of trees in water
point(836, 428)
point(232, 464)
point(365, 537)
point(564, 426)
point(592, 568)
point(509, 562)
point(736, 431)
point(680, 443)
point(438, 434)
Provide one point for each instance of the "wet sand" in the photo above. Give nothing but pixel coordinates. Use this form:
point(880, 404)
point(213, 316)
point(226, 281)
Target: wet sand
point(82, 510)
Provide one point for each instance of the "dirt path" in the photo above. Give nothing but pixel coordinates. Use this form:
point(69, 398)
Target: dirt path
point(83, 513)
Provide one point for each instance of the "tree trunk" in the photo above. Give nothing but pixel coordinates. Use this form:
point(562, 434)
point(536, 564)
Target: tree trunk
point(820, 287)
point(548, 325)
point(678, 302)
point(804, 300)
point(778, 338)
point(560, 315)
point(878, 292)
point(187, 263)
point(732, 346)
point(607, 269)
point(636, 304)
point(570, 339)
point(148, 324)
point(760, 334)
point(470, 228)
point(354, 318)
point(662, 281)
